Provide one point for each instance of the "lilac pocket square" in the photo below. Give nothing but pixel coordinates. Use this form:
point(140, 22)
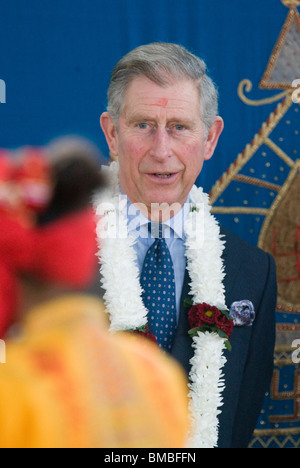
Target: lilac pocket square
point(242, 313)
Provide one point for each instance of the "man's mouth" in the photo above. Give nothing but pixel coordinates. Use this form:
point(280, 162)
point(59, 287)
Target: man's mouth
point(163, 176)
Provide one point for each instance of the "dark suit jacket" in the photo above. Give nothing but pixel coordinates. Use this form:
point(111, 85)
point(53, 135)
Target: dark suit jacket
point(250, 274)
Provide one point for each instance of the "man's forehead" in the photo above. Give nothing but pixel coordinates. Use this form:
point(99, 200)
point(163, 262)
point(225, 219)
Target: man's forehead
point(156, 103)
point(177, 94)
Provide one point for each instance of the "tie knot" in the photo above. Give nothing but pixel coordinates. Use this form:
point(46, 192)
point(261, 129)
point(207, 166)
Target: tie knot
point(156, 230)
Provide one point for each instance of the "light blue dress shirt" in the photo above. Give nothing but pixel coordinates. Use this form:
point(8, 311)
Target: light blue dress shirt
point(173, 232)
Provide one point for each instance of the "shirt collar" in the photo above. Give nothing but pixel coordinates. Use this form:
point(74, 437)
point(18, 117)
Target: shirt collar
point(138, 222)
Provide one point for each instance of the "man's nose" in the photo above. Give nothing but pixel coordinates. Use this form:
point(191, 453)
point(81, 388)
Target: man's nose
point(161, 144)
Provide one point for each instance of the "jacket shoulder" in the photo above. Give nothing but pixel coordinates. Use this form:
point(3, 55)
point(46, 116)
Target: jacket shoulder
point(248, 263)
point(242, 247)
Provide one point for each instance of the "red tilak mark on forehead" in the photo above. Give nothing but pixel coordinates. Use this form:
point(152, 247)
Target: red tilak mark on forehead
point(163, 102)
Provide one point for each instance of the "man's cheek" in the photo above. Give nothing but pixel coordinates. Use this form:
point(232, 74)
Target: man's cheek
point(134, 147)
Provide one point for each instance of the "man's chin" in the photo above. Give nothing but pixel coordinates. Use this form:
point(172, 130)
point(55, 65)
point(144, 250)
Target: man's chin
point(162, 207)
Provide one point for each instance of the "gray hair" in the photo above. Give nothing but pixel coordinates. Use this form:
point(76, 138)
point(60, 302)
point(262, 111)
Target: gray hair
point(162, 63)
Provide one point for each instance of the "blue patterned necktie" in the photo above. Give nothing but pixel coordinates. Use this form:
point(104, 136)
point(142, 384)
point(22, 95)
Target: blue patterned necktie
point(158, 283)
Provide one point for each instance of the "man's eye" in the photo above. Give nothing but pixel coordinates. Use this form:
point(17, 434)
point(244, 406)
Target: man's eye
point(143, 126)
point(179, 127)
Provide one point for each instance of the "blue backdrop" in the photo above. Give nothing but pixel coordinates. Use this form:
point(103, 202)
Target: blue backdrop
point(56, 57)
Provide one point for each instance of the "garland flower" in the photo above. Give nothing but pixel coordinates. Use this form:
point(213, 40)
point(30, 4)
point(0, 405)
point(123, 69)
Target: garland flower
point(208, 315)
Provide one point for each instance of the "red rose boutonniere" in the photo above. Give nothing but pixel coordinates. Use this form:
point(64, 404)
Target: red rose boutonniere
point(144, 331)
point(204, 317)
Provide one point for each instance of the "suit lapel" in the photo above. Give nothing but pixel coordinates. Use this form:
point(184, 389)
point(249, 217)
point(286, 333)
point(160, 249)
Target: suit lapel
point(232, 267)
point(182, 349)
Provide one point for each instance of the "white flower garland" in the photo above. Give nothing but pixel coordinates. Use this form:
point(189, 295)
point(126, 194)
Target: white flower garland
point(123, 295)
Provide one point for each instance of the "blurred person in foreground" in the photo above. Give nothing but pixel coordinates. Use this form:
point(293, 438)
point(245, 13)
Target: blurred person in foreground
point(66, 381)
point(25, 191)
point(45, 216)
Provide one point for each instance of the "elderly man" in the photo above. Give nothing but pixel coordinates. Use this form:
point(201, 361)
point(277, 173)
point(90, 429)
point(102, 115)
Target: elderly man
point(162, 125)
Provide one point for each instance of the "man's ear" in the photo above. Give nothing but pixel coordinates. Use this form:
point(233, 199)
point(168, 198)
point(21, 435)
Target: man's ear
point(110, 132)
point(213, 137)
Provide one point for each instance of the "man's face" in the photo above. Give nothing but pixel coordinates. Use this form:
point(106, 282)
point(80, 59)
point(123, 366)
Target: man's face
point(160, 141)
